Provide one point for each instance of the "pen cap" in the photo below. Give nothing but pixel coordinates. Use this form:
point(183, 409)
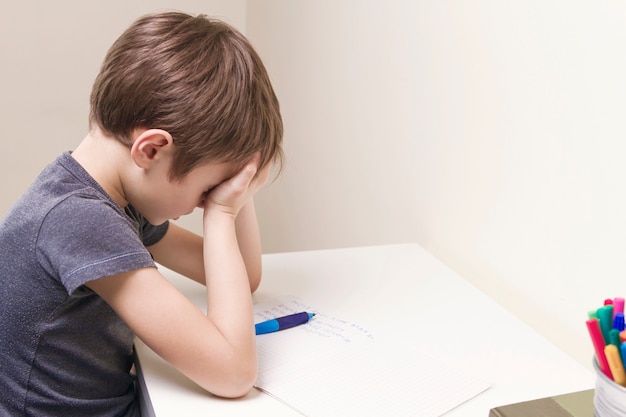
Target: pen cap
point(609, 397)
point(618, 321)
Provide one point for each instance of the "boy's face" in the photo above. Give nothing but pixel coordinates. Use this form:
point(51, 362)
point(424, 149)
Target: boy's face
point(167, 199)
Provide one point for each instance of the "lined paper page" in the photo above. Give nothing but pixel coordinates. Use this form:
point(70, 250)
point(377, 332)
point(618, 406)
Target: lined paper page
point(333, 367)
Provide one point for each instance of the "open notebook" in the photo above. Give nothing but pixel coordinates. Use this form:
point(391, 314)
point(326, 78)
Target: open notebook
point(333, 367)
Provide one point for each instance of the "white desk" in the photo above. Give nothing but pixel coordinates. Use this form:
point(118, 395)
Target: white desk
point(398, 291)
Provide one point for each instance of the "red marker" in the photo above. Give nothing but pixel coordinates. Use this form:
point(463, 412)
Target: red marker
point(593, 326)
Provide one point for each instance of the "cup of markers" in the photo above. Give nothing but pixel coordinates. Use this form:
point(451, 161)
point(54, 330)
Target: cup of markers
point(608, 335)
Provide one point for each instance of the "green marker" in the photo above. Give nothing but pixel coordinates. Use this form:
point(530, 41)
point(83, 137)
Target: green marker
point(605, 317)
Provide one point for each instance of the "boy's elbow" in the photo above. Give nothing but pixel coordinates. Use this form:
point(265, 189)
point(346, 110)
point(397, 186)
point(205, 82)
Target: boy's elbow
point(239, 389)
point(243, 379)
point(237, 382)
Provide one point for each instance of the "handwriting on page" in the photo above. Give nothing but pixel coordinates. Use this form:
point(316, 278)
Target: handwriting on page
point(286, 354)
point(322, 325)
point(333, 367)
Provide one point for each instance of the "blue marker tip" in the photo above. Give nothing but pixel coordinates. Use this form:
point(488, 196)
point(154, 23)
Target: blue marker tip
point(618, 321)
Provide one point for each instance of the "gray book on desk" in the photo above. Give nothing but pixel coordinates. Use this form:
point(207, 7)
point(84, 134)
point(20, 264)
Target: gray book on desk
point(574, 404)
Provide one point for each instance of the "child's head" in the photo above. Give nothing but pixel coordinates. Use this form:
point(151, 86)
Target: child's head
point(197, 78)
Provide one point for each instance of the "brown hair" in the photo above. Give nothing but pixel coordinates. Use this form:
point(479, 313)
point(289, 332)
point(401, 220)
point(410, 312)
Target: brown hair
point(195, 77)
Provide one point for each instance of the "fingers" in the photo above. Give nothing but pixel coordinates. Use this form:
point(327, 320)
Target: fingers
point(263, 175)
point(259, 178)
point(242, 180)
point(235, 192)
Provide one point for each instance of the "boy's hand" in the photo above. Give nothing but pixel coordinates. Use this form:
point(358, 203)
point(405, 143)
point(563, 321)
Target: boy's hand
point(231, 195)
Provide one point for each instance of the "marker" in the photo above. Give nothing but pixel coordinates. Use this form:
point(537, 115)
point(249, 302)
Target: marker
point(615, 363)
point(618, 321)
point(598, 344)
point(614, 338)
point(282, 323)
point(618, 305)
point(605, 317)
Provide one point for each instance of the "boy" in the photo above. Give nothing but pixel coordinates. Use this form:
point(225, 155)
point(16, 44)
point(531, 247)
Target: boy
point(183, 115)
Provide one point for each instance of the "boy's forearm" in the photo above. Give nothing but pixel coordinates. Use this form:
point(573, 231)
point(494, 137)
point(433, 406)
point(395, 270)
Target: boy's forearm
point(182, 250)
point(249, 241)
point(229, 303)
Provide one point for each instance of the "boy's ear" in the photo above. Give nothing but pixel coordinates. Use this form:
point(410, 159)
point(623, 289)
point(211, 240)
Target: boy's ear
point(149, 145)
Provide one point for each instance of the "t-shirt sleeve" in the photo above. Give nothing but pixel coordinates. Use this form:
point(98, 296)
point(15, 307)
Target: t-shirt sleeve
point(83, 239)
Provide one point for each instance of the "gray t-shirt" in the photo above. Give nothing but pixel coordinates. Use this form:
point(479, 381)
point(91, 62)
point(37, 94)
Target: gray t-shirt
point(63, 350)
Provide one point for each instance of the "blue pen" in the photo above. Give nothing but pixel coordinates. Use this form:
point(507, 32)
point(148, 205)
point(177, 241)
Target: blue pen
point(282, 323)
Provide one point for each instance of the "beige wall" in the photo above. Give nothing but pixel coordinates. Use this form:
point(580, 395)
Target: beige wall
point(50, 53)
point(489, 131)
point(492, 132)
